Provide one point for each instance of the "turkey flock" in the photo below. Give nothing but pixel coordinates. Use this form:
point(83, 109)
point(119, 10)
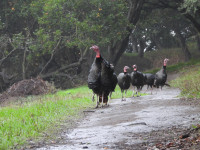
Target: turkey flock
point(102, 79)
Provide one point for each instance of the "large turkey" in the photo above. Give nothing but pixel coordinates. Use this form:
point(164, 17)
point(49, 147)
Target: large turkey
point(161, 76)
point(124, 81)
point(101, 78)
point(137, 79)
point(149, 80)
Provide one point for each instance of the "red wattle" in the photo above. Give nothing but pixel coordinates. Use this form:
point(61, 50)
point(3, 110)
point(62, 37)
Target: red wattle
point(124, 70)
point(98, 55)
point(135, 69)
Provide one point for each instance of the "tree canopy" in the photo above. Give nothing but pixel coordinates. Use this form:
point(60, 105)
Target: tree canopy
point(51, 38)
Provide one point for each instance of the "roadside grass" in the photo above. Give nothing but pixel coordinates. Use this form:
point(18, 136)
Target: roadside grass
point(20, 123)
point(189, 82)
point(31, 118)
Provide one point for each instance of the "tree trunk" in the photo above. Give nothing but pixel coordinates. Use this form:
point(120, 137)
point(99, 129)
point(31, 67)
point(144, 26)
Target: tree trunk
point(198, 42)
point(141, 52)
point(185, 50)
point(134, 45)
point(156, 41)
point(117, 48)
point(24, 63)
point(194, 21)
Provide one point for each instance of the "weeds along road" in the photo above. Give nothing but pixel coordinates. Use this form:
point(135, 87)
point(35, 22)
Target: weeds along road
point(130, 124)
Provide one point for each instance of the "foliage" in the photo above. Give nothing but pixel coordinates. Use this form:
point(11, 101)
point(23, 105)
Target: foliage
point(79, 23)
point(41, 37)
point(190, 6)
point(155, 29)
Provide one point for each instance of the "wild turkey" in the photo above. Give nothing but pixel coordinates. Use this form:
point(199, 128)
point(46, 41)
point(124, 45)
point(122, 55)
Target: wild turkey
point(161, 76)
point(100, 78)
point(149, 80)
point(137, 79)
point(124, 81)
point(114, 80)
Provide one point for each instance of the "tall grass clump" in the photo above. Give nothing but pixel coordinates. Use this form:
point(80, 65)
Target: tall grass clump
point(20, 123)
point(189, 82)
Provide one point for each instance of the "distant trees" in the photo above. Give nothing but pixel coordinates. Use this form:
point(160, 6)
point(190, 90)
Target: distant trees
point(52, 38)
point(164, 24)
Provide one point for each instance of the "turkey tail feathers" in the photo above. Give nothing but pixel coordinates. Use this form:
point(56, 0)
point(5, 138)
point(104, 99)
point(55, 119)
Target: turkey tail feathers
point(167, 84)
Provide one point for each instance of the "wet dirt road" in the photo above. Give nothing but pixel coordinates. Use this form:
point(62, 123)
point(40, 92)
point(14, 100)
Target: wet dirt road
point(128, 124)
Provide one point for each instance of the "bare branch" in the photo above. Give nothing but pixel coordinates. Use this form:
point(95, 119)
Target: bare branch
point(52, 54)
point(57, 72)
point(2, 60)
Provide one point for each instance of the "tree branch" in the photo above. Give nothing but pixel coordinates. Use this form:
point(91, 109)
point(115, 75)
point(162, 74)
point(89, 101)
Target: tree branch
point(56, 73)
point(52, 54)
point(2, 60)
point(6, 77)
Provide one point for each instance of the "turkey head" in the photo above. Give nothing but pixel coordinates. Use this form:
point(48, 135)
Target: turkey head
point(125, 68)
point(96, 49)
point(165, 61)
point(135, 67)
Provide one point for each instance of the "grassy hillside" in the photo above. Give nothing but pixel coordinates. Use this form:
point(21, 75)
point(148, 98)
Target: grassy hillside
point(189, 80)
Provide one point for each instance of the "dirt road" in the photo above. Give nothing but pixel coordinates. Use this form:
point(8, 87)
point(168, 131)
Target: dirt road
point(136, 124)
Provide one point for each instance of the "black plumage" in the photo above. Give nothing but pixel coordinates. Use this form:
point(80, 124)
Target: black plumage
point(124, 81)
point(161, 75)
point(149, 80)
point(101, 78)
point(137, 79)
point(114, 80)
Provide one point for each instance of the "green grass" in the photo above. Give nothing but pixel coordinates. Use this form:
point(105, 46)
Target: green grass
point(130, 54)
point(189, 82)
point(19, 123)
point(33, 117)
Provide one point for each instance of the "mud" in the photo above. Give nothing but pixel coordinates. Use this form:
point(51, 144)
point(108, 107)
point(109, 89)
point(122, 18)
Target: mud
point(136, 124)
